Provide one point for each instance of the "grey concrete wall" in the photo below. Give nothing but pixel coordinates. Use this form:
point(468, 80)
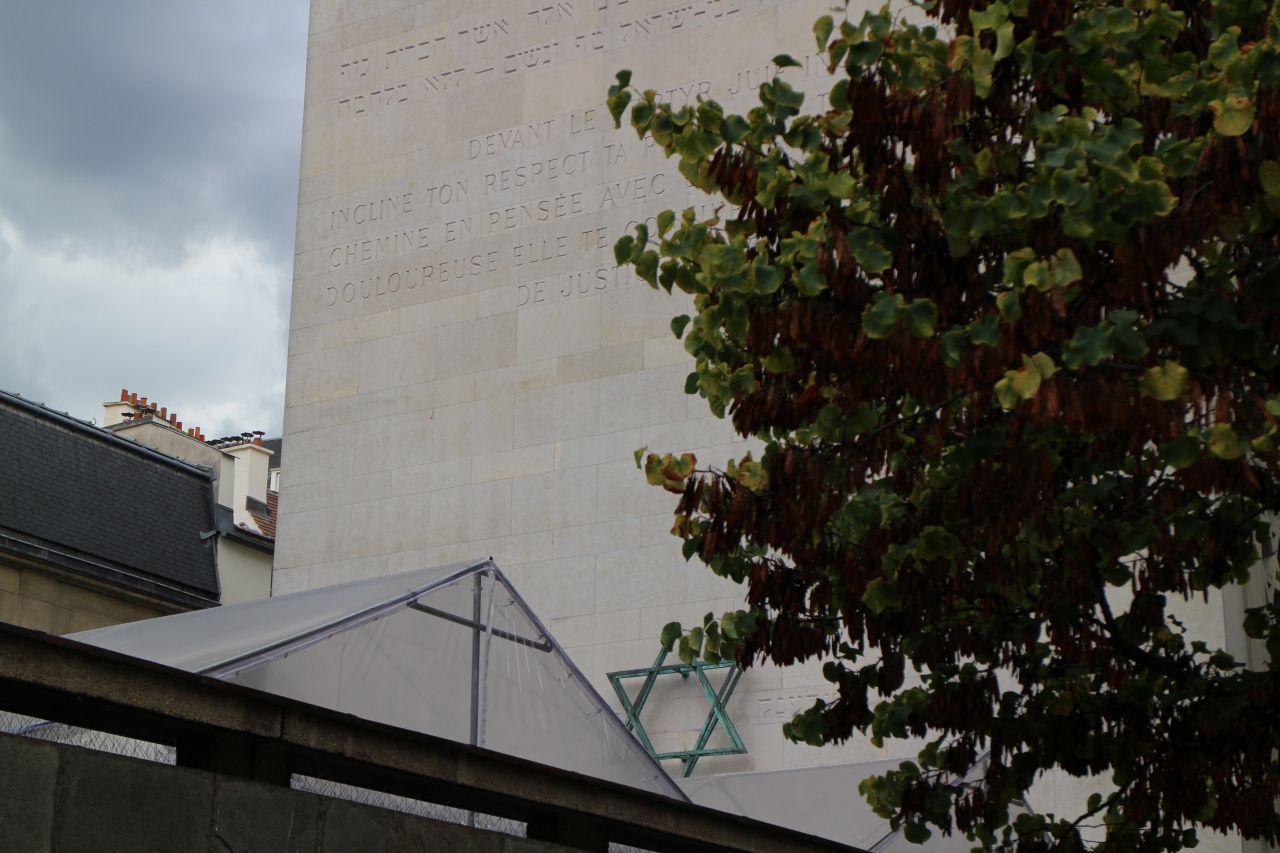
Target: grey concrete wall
point(70, 800)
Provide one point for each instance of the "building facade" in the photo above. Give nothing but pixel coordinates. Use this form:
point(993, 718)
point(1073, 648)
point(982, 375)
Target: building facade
point(469, 371)
point(96, 530)
point(241, 467)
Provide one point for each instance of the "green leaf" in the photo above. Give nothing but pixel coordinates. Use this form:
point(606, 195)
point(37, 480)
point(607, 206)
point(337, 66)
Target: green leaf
point(1004, 40)
point(780, 361)
point(881, 595)
point(1038, 275)
point(647, 267)
point(1089, 346)
point(868, 250)
point(734, 129)
point(1232, 116)
point(1269, 174)
point(671, 633)
point(653, 470)
point(921, 317)
point(863, 420)
point(1168, 382)
point(1015, 265)
point(665, 220)
point(639, 454)
point(952, 346)
point(822, 32)
point(810, 281)
point(1222, 441)
point(934, 543)
point(1066, 269)
point(619, 97)
point(767, 278)
point(1041, 363)
point(880, 318)
point(622, 249)
point(986, 331)
point(839, 97)
point(1025, 380)
point(1006, 395)
point(1181, 452)
point(784, 60)
point(1010, 309)
point(678, 325)
point(990, 18)
point(1273, 405)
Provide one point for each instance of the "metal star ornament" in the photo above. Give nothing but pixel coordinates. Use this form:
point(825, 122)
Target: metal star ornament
point(718, 715)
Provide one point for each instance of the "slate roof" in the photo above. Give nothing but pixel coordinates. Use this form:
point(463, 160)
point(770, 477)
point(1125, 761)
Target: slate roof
point(267, 523)
point(275, 445)
point(106, 503)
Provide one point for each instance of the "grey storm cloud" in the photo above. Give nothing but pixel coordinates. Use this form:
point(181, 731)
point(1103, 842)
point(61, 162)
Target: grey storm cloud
point(137, 126)
point(148, 190)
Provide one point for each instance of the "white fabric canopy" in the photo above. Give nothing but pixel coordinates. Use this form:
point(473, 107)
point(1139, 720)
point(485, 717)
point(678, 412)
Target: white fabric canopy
point(451, 651)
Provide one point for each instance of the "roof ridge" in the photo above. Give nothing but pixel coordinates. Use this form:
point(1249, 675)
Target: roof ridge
point(41, 410)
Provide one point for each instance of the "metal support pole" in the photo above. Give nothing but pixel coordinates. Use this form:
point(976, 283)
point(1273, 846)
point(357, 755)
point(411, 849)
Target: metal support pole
point(477, 595)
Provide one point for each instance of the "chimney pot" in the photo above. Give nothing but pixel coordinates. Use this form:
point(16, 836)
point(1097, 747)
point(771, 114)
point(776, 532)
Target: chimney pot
point(124, 395)
point(133, 398)
point(257, 439)
point(164, 413)
point(143, 401)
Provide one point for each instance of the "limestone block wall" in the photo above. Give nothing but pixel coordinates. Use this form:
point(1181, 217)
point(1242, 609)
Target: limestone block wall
point(45, 599)
point(469, 372)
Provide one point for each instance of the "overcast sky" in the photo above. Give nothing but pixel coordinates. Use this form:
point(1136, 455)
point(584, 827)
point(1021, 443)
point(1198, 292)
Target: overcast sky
point(148, 188)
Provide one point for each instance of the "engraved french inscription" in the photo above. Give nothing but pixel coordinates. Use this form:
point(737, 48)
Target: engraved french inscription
point(463, 189)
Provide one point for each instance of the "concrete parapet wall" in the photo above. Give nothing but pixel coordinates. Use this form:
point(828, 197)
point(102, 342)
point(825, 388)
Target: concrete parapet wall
point(55, 797)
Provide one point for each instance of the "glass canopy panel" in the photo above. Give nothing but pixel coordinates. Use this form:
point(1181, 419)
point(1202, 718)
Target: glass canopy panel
point(452, 652)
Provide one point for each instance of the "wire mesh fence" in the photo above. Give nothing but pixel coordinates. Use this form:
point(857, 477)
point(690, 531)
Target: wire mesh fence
point(31, 727)
point(421, 808)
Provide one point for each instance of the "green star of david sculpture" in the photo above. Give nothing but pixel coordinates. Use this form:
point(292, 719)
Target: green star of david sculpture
point(717, 698)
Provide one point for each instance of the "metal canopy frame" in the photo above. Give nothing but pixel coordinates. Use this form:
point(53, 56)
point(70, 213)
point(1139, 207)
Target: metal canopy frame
point(717, 699)
point(483, 618)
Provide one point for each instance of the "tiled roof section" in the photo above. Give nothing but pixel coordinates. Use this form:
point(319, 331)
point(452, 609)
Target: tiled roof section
point(274, 445)
point(82, 488)
point(267, 523)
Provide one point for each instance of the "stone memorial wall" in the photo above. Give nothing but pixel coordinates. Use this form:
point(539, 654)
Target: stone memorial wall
point(469, 372)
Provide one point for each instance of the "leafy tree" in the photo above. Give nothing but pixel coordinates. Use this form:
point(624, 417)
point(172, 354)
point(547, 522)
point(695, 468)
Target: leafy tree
point(1005, 318)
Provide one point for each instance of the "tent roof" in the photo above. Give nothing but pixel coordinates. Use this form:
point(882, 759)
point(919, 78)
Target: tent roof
point(451, 651)
point(209, 641)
